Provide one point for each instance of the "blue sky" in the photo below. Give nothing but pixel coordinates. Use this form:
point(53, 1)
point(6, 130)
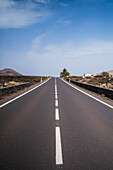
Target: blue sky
point(41, 37)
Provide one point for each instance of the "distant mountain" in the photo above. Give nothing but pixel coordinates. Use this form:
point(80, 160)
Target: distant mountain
point(9, 72)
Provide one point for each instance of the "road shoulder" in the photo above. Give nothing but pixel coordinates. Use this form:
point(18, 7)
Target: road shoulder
point(98, 96)
point(14, 95)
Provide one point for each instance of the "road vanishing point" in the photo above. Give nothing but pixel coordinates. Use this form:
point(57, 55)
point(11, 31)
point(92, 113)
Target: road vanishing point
point(55, 126)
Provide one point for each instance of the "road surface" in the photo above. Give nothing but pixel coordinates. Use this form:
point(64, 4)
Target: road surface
point(56, 127)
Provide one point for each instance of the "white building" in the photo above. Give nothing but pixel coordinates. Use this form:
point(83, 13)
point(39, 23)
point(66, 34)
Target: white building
point(87, 75)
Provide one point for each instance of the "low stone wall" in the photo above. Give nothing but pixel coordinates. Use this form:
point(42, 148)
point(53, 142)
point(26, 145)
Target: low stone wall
point(100, 90)
point(11, 89)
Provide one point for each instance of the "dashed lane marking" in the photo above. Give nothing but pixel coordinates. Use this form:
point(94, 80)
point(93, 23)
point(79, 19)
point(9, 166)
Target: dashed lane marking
point(56, 96)
point(56, 103)
point(56, 114)
point(59, 159)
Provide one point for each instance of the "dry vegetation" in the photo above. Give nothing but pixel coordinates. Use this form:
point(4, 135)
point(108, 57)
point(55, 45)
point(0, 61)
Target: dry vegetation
point(6, 81)
point(101, 82)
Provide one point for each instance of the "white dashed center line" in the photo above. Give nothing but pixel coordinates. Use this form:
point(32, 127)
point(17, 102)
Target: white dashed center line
point(56, 103)
point(58, 156)
point(56, 96)
point(59, 160)
point(56, 93)
point(56, 114)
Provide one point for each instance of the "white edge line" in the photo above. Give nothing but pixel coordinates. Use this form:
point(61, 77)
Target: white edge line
point(56, 114)
point(89, 95)
point(59, 159)
point(23, 94)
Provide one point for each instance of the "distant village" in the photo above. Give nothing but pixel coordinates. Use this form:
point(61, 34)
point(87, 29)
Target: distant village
point(103, 74)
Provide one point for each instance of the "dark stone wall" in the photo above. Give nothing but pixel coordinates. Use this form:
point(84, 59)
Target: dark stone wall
point(100, 90)
point(11, 89)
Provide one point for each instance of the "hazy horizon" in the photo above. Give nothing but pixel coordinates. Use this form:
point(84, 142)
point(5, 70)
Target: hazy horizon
point(41, 37)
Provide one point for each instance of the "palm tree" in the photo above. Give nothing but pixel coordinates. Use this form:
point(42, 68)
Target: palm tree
point(64, 73)
point(64, 70)
point(67, 74)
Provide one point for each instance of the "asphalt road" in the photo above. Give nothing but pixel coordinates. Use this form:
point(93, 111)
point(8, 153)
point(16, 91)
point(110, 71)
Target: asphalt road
point(56, 127)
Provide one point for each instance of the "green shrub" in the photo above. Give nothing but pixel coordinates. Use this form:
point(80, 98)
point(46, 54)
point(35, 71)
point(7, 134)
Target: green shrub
point(103, 95)
point(16, 80)
point(98, 76)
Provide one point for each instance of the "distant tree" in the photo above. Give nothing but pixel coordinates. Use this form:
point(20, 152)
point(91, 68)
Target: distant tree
point(61, 74)
point(105, 74)
point(65, 73)
point(64, 70)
